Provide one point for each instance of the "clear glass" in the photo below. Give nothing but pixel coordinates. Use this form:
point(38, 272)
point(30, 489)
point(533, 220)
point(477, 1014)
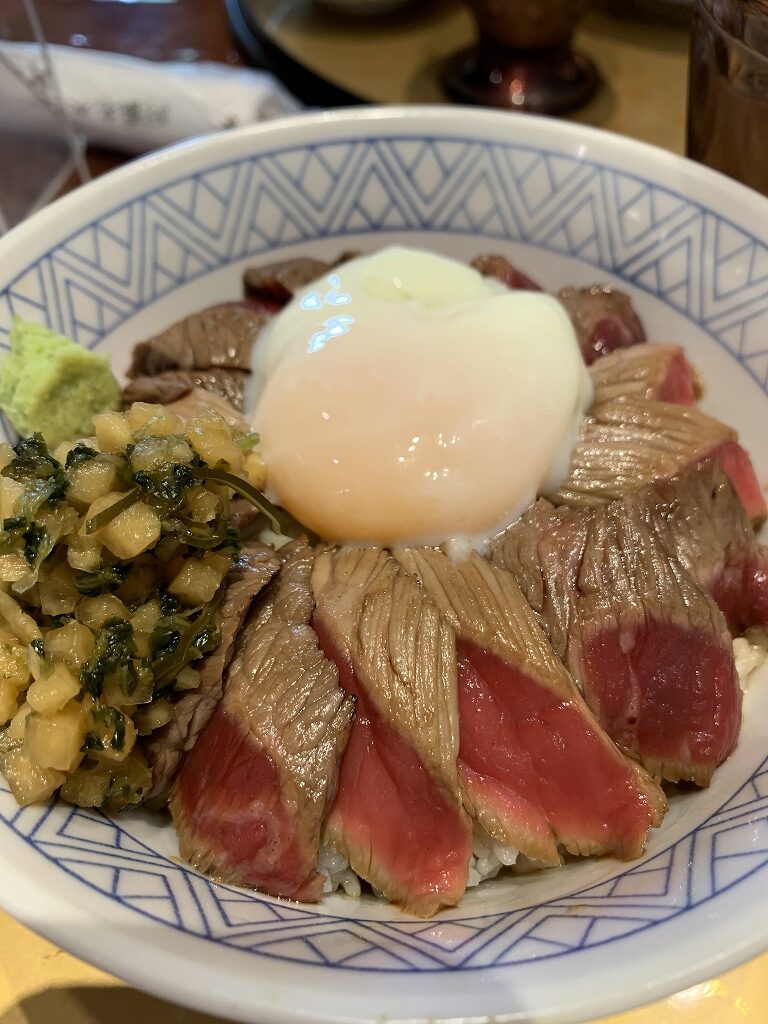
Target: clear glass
point(39, 149)
point(728, 89)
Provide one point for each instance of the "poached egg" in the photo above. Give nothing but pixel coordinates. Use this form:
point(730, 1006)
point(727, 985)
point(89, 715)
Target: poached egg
point(406, 399)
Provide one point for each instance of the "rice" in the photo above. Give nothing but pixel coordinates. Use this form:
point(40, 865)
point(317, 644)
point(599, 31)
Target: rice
point(750, 652)
point(338, 874)
point(487, 860)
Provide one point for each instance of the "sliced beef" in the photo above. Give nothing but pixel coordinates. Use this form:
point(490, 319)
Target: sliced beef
point(276, 282)
point(226, 387)
point(397, 815)
point(160, 389)
point(647, 371)
point(198, 400)
point(702, 523)
point(536, 768)
point(165, 747)
point(251, 798)
point(604, 318)
point(647, 645)
point(632, 441)
point(499, 267)
point(221, 336)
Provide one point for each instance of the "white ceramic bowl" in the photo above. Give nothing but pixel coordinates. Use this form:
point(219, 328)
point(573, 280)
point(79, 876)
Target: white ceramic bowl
point(170, 234)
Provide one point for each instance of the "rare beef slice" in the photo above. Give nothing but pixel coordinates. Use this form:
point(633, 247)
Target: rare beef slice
point(277, 282)
point(222, 388)
point(398, 816)
point(252, 796)
point(702, 522)
point(645, 642)
point(604, 319)
point(220, 336)
point(498, 267)
point(537, 771)
point(631, 441)
point(646, 370)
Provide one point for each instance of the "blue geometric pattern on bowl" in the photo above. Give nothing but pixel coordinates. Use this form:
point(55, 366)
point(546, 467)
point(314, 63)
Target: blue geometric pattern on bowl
point(638, 231)
point(106, 857)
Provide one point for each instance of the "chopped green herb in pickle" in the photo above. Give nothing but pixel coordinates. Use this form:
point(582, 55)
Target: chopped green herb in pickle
point(103, 581)
point(43, 478)
point(79, 454)
point(113, 652)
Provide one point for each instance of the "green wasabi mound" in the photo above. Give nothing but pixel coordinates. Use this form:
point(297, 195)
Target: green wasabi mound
point(51, 385)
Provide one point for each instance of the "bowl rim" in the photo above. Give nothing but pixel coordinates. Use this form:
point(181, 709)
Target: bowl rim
point(428, 118)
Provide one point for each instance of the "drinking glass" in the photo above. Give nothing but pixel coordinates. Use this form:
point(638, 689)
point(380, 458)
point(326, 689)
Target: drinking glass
point(728, 89)
point(39, 149)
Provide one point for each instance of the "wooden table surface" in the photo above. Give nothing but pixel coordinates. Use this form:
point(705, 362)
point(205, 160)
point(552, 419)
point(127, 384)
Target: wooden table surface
point(39, 983)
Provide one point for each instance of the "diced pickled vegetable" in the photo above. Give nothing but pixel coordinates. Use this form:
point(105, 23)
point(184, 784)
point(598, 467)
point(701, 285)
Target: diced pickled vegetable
point(113, 432)
point(187, 679)
point(145, 618)
point(202, 505)
point(54, 740)
point(112, 557)
point(147, 418)
point(21, 624)
point(86, 787)
point(196, 583)
point(153, 452)
point(53, 691)
point(117, 693)
point(30, 783)
point(14, 669)
point(112, 735)
point(58, 593)
point(131, 531)
point(129, 781)
point(18, 723)
point(83, 553)
point(71, 644)
point(140, 582)
point(93, 612)
point(11, 492)
point(211, 437)
point(13, 568)
point(91, 480)
point(255, 469)
point(9, 701)
point(153, 716)
point(221, 561)
point(58, 521)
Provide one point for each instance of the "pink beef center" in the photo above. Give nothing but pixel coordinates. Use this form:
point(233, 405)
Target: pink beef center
point(234, 804)
point(740, 591)
point(677, 385)
point(737, 464)
point(672, 697)
point(409, 835)
point(538, 758)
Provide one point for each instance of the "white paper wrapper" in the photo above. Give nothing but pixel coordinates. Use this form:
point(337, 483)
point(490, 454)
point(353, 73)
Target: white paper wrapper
point(137, 105)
